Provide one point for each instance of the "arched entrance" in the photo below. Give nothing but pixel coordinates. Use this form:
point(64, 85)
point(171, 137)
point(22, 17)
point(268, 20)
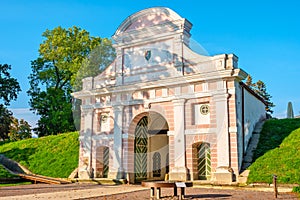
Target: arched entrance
point(151, 148)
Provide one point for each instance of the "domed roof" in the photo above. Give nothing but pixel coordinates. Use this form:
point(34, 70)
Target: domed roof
point(146, 18)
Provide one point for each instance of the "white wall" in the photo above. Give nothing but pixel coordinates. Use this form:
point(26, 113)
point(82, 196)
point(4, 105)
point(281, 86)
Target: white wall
point(239, 122)
point(254, 112)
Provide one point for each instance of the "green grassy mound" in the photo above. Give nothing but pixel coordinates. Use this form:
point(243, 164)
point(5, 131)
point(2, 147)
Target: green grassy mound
point(55, 156)
point(278, 153)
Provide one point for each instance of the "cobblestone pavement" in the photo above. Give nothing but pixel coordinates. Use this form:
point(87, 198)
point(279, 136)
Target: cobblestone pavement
point(130, 192)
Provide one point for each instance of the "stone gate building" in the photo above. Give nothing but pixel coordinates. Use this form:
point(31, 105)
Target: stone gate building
point(161, 108)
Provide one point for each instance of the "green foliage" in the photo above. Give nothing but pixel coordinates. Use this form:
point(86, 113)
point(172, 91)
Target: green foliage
point(4, 173)
point(277, 152)
point(99, 58)
point(55, 156)
point(15, 184)
point(273, 133)
point(5, 121)
point(296, 189)
point(66, 49)
point(56, 72)
point(260, 88)
point(9, 87)
point(55, 109)
point(249, 81)
point(19, 130)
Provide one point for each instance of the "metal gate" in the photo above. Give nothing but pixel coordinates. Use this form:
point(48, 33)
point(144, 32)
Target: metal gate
point(204, 163)
point(156, 164)
point(105, 162)
point(140, 150)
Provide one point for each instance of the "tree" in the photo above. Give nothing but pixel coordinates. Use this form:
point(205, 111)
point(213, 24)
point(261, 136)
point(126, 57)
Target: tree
point(249, 81)
point(261, 89)
point(19, 130)
point(55, 71)
point(9, 87)
point(95, 63)
point(5, 121)
point(290, 112)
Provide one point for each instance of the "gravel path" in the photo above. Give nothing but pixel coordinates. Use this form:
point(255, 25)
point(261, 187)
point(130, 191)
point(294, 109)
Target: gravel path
point(130, 192)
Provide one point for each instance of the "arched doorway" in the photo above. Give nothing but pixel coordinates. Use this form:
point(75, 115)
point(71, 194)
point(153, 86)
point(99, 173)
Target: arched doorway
point(151, 148)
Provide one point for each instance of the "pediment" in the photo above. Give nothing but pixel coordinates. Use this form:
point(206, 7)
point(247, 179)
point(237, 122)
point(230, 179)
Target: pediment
point(147, 18)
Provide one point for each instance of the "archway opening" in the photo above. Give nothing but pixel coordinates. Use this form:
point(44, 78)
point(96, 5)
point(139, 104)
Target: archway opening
point(151, 148)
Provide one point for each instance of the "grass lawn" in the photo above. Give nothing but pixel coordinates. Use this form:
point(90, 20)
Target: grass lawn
point(278, 153)
point(55, 156)
point(15, 184)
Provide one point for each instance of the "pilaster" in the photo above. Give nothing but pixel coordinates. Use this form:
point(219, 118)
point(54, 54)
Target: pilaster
point(223, 173)
point(179, 172)
point(116, 169)
point(85, 163)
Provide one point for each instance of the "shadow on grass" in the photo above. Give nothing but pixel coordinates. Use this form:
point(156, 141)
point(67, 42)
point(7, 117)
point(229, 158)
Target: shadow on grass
point(18, 154)
point(273, 133)
point(11, 157)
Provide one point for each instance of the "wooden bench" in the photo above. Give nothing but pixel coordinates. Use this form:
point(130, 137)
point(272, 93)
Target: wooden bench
point(157, 185)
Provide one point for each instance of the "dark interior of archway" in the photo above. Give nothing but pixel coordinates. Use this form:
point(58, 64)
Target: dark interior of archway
point(157, 124)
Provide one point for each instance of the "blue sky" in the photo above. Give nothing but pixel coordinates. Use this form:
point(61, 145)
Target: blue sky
point(265, 35)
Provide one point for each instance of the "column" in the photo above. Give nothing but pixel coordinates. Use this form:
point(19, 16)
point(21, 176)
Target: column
point(116, 171)
point(85, 159)
point(179, 172)
point(223, 172)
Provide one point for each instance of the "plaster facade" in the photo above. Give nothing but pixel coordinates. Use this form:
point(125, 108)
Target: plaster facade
point(161, 108)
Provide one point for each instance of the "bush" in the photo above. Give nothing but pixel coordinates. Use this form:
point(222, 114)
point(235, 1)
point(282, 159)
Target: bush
point(296, 189)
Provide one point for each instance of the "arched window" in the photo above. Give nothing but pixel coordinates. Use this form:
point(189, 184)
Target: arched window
point(156, 165)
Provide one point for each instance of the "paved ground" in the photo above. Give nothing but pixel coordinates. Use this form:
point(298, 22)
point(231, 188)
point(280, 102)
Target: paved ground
point(130, 192)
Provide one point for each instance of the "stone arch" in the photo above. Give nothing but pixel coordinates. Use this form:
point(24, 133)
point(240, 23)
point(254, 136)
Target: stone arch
point(157, 142)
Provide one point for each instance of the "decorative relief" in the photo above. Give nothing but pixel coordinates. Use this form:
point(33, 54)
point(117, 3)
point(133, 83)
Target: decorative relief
point(204, 109)
point(201, 114)
point(148, 55)
point(104, 122)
